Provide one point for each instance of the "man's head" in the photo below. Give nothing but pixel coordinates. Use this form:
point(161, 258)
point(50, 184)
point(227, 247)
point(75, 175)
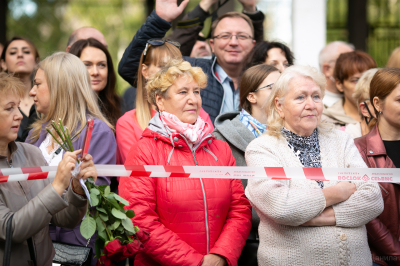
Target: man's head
point(201, 48)
point(232, 38)
point(85, 33)
point(327, 60)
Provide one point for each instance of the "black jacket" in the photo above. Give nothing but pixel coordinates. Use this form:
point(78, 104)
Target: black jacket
point(155, 27)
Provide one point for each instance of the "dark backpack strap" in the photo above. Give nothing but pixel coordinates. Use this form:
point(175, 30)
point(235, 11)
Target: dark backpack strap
point(31, 251)
point(7, 248)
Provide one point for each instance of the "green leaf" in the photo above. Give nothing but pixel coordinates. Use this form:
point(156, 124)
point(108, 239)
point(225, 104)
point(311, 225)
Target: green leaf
point(100, 226)
point(130, 213)
point(120, 228)
point(99, 246)
point(128, 225)
point(101, 210)
point(120, 199)
point(102, 187)
point(104, 217)
point(115, 224)
point(117, 214)
point(88, 227)
point(103, 235)
point(94, 199)
point(114, 203)
point(106, 191)
point(95, 191)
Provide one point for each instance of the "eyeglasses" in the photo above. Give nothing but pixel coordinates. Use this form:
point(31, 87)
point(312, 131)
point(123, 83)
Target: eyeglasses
point(158, 42)
point(270, 86)
point(227, 36)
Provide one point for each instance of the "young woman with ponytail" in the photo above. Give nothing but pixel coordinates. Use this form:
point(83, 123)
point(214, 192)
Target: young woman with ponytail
point(380, 148)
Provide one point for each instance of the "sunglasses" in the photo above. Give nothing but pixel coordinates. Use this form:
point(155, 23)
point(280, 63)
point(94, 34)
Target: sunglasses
point(158, 42)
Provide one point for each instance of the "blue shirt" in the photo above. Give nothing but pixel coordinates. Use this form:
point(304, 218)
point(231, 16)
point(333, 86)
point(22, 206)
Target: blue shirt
point(231, 100)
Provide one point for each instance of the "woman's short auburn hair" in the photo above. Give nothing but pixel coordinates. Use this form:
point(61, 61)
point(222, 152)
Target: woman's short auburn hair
point(11, 84)
point(383, 83)
point(351, 63)
point(159, 83)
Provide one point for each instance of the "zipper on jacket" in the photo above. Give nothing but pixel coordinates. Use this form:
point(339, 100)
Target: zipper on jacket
point(205, 201)
point(383, 188)
point(223, 97)
point(9, 162)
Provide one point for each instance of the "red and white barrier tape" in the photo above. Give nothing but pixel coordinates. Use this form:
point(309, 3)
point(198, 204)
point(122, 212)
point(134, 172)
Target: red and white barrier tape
point(391, 175)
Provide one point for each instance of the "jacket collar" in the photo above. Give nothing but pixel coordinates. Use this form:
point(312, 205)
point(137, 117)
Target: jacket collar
point(375, 144)
point(336, 112)
point(157, 130)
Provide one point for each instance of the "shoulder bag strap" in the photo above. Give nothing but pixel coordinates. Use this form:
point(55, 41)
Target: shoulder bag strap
point(31, 251)
point(7, 248)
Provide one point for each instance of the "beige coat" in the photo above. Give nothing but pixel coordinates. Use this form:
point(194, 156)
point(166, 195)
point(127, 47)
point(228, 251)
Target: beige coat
point(283, 205)
point(336, 115)
point(35, 204)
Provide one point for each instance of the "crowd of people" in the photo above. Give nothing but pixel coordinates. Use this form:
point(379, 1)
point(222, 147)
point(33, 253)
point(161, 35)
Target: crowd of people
point(230, 99)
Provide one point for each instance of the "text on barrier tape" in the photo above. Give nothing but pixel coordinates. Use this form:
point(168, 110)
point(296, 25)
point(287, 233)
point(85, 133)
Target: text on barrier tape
point(391, 175)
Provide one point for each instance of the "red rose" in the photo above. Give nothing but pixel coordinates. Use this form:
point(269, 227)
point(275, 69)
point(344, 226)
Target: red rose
point(104, 261)
point(133, 248)
point(142, 235)
point(114, 250)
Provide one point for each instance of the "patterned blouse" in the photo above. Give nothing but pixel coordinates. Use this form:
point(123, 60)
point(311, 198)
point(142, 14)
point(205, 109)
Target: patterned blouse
point(305, 148)
point(252, 124)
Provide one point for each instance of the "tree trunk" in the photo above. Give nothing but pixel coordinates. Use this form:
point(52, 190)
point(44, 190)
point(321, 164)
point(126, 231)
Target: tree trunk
point(357, 23)
point(3, 21)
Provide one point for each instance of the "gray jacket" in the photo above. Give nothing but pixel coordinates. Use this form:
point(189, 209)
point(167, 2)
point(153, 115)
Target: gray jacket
point(35, 204)
point(230, 129)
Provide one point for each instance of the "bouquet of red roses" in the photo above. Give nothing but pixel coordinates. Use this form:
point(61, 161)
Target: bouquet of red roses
point(118, 238)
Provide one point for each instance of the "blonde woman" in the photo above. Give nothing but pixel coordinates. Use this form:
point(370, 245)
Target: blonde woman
point(62, 90)
point(191, 221)
point(307, 222)
point(365, 108)
point(131, 125)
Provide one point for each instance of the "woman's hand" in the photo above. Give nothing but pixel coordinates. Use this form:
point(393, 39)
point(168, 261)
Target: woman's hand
point(63, 175)
point(213, 260)
point(326, 218)
point(338, 193)
point(87, 170)
point(169, 10)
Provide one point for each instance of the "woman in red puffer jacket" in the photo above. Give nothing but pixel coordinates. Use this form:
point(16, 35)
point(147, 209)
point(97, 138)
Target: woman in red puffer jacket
point(191, 221)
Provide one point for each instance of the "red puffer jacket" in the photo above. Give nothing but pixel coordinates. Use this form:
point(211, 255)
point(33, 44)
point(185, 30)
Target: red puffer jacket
point(187, 218)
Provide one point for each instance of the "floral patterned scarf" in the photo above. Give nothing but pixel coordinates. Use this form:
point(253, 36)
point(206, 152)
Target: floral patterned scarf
point(193, 133)
point(252, 124)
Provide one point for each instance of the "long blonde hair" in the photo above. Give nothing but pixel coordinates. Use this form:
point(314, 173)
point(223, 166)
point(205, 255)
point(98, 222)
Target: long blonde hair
point(71, 96)
point(158, 56)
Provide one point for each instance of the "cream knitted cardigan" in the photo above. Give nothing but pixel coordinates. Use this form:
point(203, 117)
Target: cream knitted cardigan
point(283, 205)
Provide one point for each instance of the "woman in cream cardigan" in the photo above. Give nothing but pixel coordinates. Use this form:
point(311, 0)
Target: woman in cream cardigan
point(306, 222)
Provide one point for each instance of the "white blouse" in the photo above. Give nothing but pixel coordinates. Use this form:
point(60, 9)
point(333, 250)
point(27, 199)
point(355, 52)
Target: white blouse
point(52, 158)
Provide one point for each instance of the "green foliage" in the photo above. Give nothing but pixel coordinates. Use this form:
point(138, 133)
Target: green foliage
point(107, 215)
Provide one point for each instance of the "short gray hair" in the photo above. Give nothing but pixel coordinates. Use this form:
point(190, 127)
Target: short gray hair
point(281, 88)
point(330, 51)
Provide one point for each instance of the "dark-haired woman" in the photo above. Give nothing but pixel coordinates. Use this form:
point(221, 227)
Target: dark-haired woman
point(275, 54)
point(20, 57)
point(348, 70)
point(238, 129)
point(380, 148)
point(98, 62)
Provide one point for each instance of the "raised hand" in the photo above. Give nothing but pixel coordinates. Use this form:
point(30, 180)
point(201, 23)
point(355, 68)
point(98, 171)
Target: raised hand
point(248, 5)
point(206, 4)
point(169, 10)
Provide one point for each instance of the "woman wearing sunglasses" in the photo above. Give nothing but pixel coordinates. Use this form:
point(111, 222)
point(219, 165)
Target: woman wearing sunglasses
point(131, 125)
point(238, 129)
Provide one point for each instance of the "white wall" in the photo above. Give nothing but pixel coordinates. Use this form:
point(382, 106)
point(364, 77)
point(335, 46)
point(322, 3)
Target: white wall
point(308, 30)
